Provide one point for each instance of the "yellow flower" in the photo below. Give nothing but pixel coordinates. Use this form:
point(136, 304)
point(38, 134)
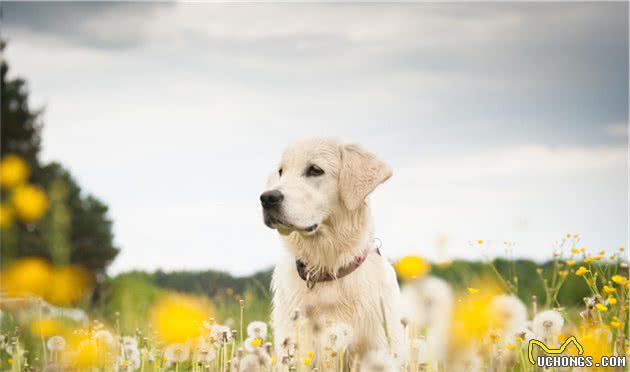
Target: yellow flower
point(27, 276)
point(591, 259)
point(609, 290)
point(510, 346)
point(615, 324)
point(311, 354)
point(273, 360)
point(257, 342)
point(473, 316)
point(582, 249)
point(596, 340)
point(14, 171)
point(575, 250)
point(563, 273)
point(601, 307)
point(568, 235)
point(602, 252)
point(581, 271)
point(83, 353)
point(45, 327)
point(6, 215)
point(308, 361)
point(519, 339)
point(68, 284)
point(571, 263)
point(621, 249)
point(177, 317)
point(612, 300)
point(480, 241)
point(30, 203)
point(619, 279)
point(412, 267)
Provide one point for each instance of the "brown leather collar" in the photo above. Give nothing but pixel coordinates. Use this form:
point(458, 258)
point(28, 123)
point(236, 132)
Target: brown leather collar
point(312, 279)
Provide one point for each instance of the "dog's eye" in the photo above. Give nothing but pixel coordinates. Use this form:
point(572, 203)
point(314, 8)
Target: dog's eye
point(314, 171)
point(280, 172)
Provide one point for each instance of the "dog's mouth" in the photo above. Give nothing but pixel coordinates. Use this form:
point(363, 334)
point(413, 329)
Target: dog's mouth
point(285, 228)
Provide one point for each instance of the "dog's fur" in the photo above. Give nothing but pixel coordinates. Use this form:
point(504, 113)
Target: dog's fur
point(335, 203)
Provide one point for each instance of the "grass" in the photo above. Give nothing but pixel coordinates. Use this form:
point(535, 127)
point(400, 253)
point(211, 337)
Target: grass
point(207, 329)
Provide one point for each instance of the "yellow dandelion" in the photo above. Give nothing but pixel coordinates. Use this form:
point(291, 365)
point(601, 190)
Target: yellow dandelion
point(596, 340)
point(582, 249)
point(6, 215)
point(563, 273)
point(621, 249)
point(581, 271)
point(615, 324)
point(273, 360)
point(571, 263)
point(45, 327)
point(27, 276)
point(480, 241)
point(308, 361)
point(311, 354)
point(510, 346)
point(473, 316)
point(619, 279)
point(178, 318)
point(14, 171)
point(608, 290)
point(30, 203)
point(601, 307)
point(575, 250)
point(568, 235)
point(611, 300)
point(68, 284)
point(602, 252)
point(83, 353)
point(412, 267)
point(257, 342)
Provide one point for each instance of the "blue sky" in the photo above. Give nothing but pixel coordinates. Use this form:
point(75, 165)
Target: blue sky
point(502, 121)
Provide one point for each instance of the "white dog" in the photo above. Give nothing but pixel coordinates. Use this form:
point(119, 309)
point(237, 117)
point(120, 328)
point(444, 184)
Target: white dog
point(333, 272)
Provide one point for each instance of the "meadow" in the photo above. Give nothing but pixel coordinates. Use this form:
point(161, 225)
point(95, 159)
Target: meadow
point(458, 316)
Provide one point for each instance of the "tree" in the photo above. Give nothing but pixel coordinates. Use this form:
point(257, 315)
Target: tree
point(76, 227)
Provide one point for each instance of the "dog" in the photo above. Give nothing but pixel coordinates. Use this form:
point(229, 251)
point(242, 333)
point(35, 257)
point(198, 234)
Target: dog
point(332, 272)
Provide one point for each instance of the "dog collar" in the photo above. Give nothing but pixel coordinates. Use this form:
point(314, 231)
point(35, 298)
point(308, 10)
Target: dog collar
point(312, 279)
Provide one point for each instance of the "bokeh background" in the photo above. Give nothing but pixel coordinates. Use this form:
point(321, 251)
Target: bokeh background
point(501, 121)
point(137, 137)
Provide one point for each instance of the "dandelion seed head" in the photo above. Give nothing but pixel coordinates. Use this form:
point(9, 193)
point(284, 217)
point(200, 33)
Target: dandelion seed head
point(177, 352)
point(509, 313)
point(548, 323)
point(257, 329)
point(337, 336)
point(56, 343)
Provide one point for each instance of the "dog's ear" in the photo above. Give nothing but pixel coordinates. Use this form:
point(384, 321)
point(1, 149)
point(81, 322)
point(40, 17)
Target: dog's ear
point(361, 171)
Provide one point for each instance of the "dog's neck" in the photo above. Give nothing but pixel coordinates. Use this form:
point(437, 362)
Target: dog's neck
point(338, 241)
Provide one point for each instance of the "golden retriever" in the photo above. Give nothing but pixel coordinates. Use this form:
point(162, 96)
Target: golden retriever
point(332, 272)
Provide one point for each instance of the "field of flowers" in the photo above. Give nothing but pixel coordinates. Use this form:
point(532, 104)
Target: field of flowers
point(49, 321)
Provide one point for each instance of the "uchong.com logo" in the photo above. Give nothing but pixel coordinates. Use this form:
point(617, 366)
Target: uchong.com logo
point(554, 359)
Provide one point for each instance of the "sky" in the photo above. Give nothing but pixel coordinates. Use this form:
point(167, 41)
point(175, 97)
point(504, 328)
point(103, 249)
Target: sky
point(501, 121)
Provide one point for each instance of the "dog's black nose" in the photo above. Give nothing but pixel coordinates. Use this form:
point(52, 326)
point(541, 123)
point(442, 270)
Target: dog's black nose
point(271, 199)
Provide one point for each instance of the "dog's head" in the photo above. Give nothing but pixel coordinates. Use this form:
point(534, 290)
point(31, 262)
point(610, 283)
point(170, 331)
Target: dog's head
point(316, 179)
